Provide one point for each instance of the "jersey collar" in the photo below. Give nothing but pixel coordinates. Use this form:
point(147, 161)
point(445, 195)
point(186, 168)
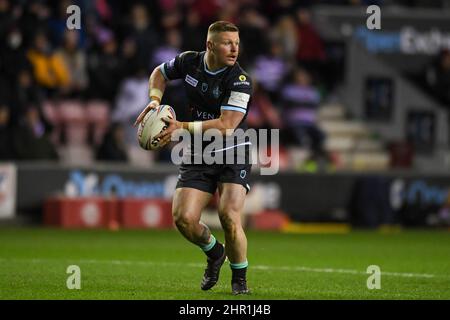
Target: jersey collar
point(213, 73)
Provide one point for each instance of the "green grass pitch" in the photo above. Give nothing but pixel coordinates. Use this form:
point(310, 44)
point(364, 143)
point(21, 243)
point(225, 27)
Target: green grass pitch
point(150, 264)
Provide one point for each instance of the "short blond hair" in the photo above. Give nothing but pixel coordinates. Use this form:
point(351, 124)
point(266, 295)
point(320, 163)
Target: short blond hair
point(221, 26)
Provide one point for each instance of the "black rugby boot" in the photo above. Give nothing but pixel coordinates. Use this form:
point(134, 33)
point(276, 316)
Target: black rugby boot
point(212, 271)
point(239, 286)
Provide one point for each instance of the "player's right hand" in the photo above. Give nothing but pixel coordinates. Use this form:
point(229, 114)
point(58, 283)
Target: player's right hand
point(152, 105)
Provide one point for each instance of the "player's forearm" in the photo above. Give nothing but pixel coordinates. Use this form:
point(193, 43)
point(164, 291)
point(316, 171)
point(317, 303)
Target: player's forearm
point(220, 124)
point(225, 126)
point(156, 85)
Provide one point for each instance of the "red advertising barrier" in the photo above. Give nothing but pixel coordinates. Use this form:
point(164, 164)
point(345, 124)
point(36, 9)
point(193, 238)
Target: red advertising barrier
point(132, 213)
point(146, 213)
point(112, 212)
point(66, 212)
point(98, 212)
point(268, 220)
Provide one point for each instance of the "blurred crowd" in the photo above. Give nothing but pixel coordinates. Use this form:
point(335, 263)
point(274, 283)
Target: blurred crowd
point(120, 42)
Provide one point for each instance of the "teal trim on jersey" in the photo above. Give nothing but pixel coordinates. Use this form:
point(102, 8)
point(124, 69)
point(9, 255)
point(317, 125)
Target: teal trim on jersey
point(233, 108)
point(240, 265)
point(161, 67)
point(212, 72)
point(210, 245)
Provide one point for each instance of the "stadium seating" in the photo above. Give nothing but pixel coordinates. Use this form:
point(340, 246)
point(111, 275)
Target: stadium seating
point(78, 127)
point(81, 154)
point(73, 118)
point(139, 157)
point(98, 118)
point(350, 142)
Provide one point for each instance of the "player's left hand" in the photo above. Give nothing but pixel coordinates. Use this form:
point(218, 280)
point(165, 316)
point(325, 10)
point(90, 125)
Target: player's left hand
point(165, 135)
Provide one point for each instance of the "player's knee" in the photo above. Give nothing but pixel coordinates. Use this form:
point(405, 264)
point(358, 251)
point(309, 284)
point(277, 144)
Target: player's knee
point(229, 224)
point(183, 220)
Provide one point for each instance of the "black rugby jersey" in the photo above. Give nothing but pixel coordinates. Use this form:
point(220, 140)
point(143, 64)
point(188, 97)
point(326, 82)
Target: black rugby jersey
point(210, 92)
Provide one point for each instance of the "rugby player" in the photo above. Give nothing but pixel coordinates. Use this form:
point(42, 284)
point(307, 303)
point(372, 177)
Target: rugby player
point(218, 92)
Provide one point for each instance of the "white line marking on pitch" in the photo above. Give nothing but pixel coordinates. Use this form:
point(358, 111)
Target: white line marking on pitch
point(257, 267)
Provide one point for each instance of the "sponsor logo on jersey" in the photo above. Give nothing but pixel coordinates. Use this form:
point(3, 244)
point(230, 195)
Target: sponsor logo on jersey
point(192, 81)
point(205, 115)
point(204, 87)
point(216, 92)
point(242, 81)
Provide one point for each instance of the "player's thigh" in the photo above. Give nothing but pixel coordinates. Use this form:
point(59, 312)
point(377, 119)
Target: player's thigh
point(231, 203)
point(188, 203)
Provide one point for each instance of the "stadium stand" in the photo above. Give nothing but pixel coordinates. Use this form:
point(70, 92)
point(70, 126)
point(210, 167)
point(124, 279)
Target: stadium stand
point(370, 105)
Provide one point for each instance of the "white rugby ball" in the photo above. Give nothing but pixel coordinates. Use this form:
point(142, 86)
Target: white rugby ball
point(152, 124)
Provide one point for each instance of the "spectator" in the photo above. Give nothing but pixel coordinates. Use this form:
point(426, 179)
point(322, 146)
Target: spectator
point(95, 33)
point(143, 33)
point(113, 146)
point(275, 9)
point(132, 96)
point(12, 59)
point(33, 20)
point(262, 113)
point(27, 94)
point(171, 19)
point(75, 60)
point(49, 68)
point(270, 70)
point(6, 19)
point(285, 32)
point(31, 141)
point(58, 24)
point(101, 9)
point(207, 10)
point(129, 56)
point(192, 33)
point(174, 94)
point(229, 12)
point(310, 45)
point(12, 54)
point(168, 50)
point(300, 101)
point(105, 68)
point(252, 32)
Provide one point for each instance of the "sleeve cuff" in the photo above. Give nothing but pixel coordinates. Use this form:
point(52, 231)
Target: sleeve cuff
point(163, 72)
point(233, 108)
